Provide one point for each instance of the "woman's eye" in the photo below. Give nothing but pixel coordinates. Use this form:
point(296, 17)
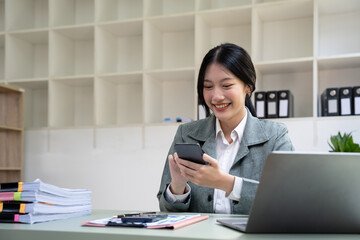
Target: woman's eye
point(208, 87)
point(227, 86)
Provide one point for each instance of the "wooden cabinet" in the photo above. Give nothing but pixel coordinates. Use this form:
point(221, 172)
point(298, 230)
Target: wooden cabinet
point(11, 134)
point(86, 63)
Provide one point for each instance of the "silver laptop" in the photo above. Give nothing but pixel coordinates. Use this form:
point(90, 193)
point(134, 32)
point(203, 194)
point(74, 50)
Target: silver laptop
point(305, 193)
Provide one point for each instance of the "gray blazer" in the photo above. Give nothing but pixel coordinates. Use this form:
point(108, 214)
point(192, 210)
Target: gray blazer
point(259, 139)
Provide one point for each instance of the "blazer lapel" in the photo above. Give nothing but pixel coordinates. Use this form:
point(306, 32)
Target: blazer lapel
point(243, 151)
point(254, 133)
point(205, 135)
point(209, 146)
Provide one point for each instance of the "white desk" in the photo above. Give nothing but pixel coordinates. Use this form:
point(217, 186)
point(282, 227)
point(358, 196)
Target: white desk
point(71, 229)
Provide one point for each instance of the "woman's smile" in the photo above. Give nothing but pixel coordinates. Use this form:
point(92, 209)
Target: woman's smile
point(221, 107)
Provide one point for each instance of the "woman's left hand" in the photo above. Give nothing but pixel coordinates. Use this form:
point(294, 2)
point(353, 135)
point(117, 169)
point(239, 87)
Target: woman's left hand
point(206, 175)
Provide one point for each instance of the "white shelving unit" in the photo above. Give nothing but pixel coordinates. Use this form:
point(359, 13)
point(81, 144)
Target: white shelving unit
point(71, 102)
point(35, 103)
point(27, 55)
point(217, 26)
point(97, 63)
point(338, 51)
point(283, 31)
point(119, 47)
point(337, 22)
point(169, 42)
point(2, 16)
point(26, 15)
point(203, 5)
point(169, 94)
point(167, 7)
point(119, 99)
point(71, 12)
point(72, 51)
point(118, 10)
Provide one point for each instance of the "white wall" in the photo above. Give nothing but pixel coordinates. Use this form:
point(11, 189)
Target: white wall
point(123, 166)
point(122, 172)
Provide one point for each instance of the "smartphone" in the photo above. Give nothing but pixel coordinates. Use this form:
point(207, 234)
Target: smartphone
point(143, 218)
point(190, 151)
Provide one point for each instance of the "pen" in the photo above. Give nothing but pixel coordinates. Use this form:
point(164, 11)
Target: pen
point(134, 214)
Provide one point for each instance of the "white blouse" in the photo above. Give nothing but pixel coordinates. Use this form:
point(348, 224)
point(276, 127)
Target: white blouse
point(225, 155)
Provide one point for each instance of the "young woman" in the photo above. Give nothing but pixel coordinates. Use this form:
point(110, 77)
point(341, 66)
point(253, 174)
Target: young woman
point(235, 143)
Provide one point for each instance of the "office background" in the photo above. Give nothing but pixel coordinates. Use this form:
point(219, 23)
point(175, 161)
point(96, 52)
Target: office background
point(101, 75)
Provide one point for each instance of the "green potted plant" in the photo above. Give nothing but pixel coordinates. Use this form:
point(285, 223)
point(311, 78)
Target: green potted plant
point(343, 143)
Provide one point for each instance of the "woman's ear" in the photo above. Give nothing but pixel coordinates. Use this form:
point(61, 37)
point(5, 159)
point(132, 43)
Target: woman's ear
point(248, 89)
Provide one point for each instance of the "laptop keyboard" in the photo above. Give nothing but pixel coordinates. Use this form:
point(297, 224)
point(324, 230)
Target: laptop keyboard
point(241, 223)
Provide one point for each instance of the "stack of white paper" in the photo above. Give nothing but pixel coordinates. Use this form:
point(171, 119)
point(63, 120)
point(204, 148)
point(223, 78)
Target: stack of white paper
point(38, 202)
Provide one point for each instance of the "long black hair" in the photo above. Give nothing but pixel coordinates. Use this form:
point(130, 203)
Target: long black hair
point(237, 61)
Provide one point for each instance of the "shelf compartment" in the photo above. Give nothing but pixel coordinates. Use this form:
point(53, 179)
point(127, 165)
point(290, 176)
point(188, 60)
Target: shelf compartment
point(2, 57)
point(35, 102)
point(339, 71)
point(72, 12)
point(214, 28)
point(10, 175)
point(27, 55)
point(10, 114)
point(119, 47)
point(285, 66)
point(27, 14)
point(296, 77)
point(2, 16)
point(203, 5)
point(169, 94)
point(72, 51)
point(339, 61)
point(338, 76)
point(268, 1)
point(169, 42)
point(283, 30)
point(11, 143)
point(167, 7)
point(71, 102)
point(119, 99)
point(337, 27)
point(118, 10)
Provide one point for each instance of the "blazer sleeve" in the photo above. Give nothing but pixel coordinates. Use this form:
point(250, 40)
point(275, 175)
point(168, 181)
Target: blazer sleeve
point(279, 142)
point(282, 141)
point(164, 205)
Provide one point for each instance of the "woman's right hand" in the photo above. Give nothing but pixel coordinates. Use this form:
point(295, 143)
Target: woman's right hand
point(178, 181)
